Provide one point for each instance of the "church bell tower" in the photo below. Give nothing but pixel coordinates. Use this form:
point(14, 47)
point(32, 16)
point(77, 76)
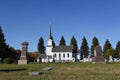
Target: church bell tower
point(50, 39)
point(49, 45)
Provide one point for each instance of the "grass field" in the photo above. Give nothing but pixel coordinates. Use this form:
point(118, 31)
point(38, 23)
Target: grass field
point(61, 71)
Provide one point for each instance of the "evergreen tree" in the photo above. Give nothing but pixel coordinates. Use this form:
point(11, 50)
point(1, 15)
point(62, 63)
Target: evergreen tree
point(117, 50)
point(107, 46)
point(41, 47)
point(7, 52)
point(84, 48)
point(74, 44)
point(75, 47)
point(3, 46)
point(95, 42)
point(62, 42)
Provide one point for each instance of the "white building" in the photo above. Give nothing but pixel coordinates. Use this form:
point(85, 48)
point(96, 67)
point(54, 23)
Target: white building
point(58, 53)
point(63, 54)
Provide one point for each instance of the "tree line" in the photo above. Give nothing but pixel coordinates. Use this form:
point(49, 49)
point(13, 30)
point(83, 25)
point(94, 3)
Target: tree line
point(108, 50)
point(10, 55)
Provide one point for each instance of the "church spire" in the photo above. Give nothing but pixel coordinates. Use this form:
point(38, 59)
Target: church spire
point(51, 37)
point(50, 34)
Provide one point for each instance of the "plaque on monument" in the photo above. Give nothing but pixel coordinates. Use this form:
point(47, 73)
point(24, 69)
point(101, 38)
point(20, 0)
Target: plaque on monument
point(23, 57)
point(98, 58)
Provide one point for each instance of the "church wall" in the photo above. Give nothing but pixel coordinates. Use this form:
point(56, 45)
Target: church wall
point(49, 51)
point(63, 56)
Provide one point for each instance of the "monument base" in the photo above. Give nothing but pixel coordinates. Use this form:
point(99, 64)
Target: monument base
point(98, 59)
point(22, 61)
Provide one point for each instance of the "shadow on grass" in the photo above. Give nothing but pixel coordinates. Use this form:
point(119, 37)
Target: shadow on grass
point(12, 70)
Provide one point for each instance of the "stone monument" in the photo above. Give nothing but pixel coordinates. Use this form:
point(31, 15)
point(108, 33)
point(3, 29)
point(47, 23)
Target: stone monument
point(23, 57)
point(98, 58)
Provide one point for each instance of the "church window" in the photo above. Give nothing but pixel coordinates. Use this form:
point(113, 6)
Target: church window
point(68, 55)
point(59, 55)
point(63, 55)
point(55, 55)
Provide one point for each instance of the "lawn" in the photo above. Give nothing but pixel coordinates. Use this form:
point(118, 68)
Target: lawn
point(61, 71)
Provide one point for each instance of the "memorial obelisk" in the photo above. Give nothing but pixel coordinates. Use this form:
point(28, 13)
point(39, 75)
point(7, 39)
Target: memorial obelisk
point(23, 57)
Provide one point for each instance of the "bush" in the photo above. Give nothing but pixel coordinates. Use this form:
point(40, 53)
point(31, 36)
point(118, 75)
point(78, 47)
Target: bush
point(109, 52)
point(8, 60)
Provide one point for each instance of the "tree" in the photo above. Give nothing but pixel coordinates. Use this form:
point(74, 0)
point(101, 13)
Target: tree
point(41, 47)
point(74, 44)
point(13, 55)
point(117, 50)
point(107, 46)
point(3, 46)
point(62, 42)
point(32, 56)
point(75, 47)
point(7, 52)
point(109, 52)
point(84, 48)
point(95, 42)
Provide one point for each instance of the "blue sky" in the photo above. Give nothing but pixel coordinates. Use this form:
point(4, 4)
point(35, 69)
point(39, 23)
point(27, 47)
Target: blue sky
point(28, 20)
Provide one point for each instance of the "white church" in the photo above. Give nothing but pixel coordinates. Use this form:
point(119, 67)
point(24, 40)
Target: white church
point(58, 53)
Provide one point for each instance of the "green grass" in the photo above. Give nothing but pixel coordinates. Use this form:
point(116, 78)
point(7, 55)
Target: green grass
point(62, 71)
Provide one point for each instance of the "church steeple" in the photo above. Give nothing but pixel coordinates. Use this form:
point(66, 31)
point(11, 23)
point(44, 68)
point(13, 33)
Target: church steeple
point(50, 34)
point(50, 39)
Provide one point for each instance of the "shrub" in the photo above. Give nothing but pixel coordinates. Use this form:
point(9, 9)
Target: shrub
point(8, 60)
